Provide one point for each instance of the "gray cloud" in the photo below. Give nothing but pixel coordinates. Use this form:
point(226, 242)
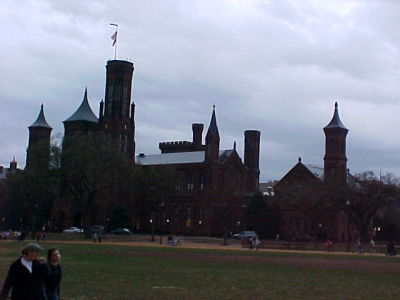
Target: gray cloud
point(276, 66)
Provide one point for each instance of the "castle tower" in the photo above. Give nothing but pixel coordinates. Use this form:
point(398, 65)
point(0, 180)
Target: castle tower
point(212, 140)
point(117, 114)
point(335, 160)
point(252, 149)
point(37, 154)
point(82, 121)
point(252, 158)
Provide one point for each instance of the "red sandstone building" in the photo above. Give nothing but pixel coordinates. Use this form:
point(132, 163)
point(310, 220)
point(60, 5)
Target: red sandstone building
point(208, 175)
point(304, 217)
point(214, 184)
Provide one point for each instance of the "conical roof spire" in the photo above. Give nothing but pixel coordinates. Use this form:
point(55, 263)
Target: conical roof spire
point(41, 120)
point(213, 128)
point(84, 112)
point(335, 122)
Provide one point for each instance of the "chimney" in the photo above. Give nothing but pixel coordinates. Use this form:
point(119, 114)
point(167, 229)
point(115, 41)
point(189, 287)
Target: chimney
point(252, 149)
point(197, 135)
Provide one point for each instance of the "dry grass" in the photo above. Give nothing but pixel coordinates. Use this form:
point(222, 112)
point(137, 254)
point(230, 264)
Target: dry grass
point(132, 272)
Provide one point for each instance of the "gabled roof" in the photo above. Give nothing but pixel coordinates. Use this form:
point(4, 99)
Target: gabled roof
point(84, 112)
point(318, 171)
point(224, 155)
point(179, 158)
point(301, 172)
point(335, 122)
point(41, 120)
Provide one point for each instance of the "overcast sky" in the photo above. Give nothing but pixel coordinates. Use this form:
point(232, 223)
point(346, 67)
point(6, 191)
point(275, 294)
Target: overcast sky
point(277, 66)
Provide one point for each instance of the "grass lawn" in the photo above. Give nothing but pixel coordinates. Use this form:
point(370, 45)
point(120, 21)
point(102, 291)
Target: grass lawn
point(96, 271)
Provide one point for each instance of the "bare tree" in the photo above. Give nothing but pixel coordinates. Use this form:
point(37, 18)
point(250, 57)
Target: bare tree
point(91, 165)
point(363, 196)
point(153, 187)
point(32, 191)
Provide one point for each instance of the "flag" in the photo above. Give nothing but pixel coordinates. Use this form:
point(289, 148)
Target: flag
point(114, 38)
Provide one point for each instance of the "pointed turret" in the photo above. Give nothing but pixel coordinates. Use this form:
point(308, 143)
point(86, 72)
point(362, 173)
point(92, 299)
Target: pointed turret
point(13, 164)
point(335, 122)
point(212, 139)
point(41, 120)
point(82, 121)
point(84, 112)
point(213, 128)
point(37, 155)
point(335, 160)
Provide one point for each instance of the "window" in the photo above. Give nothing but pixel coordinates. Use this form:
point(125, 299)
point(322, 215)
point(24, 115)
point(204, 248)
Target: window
point(109, 107)
point(190, 184)
point(201, 182)
point(178, 186)
point(188, 217)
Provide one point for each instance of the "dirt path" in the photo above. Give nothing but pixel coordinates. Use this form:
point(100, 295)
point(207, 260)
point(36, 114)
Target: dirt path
point(325, 263)
point(230, 247)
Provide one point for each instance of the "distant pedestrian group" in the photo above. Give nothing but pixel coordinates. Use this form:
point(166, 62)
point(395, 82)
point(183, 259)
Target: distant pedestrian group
point(254, 243)
point(173, 241)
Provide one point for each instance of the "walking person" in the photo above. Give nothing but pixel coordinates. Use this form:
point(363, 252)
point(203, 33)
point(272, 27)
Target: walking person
point(53, 274)
point(359, 247)
point(372, 246)
point(26, 276)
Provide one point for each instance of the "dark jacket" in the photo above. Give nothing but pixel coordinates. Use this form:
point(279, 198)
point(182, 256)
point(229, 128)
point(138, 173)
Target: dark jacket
point(53, 279)
point(24, 284)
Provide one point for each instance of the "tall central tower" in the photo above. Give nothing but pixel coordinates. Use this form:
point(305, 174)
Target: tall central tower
point(335, 160)
point(117, 114)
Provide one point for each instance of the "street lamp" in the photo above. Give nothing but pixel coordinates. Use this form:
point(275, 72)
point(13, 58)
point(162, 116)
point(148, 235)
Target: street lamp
point(107, 225)
point(348, 227)
point(152, 227)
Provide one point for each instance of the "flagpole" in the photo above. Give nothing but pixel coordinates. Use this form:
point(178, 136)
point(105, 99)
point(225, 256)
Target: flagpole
point(116, 40)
